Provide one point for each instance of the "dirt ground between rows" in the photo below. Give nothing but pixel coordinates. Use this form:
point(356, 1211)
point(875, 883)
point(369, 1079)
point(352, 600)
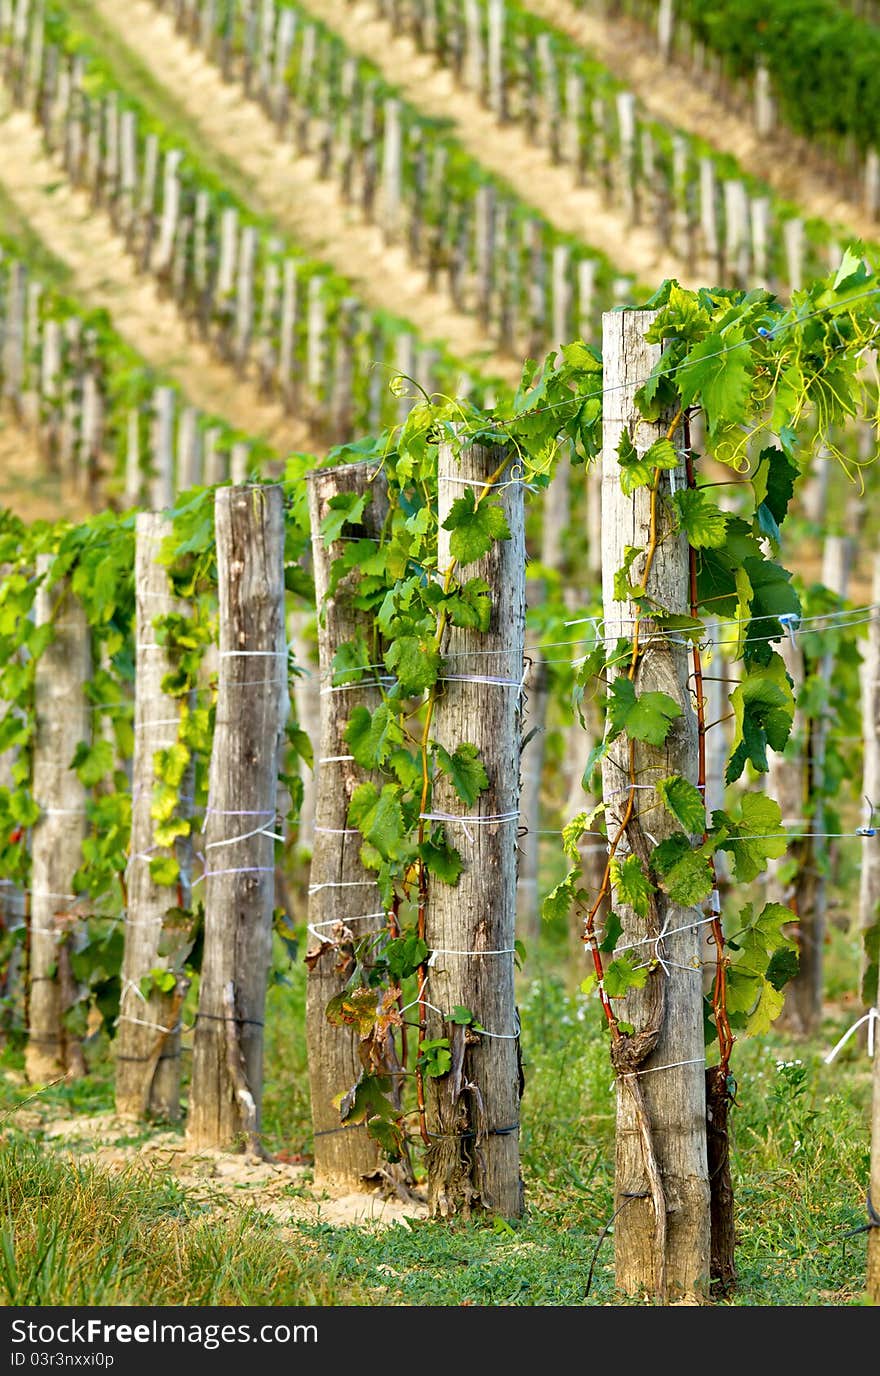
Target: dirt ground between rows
point(217, 1181)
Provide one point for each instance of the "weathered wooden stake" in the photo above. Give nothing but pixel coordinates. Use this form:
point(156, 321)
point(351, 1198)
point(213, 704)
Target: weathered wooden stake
point(662, 1230)
point(162, 483)
point(148, 1040)
point(473, 1112)
point(341, 890)
point(869, 887)
point(62, 722)
point(242, 794)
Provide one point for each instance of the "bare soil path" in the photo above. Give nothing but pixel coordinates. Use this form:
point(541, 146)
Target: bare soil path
point(288, 188)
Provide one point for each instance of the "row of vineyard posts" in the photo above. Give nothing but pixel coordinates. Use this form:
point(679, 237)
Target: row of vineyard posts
point(418, 553)
point(296, 326)
point(285, 321)
point(525, 73)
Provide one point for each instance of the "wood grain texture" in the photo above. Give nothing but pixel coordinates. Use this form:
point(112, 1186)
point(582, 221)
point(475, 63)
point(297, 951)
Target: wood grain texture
point(675, 1098)
point(156, 718)
point(343, 1155)
point(252, 705)
point(473, 1163)
point(62, 722)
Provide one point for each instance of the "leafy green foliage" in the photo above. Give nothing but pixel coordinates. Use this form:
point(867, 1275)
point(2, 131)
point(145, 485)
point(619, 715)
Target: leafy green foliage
point(753, 837)
point(643, 717)
point(559, 900)
point(718, 370)
point(624, 974)
point(632, 884)
point(685, 872)
point(415, 661)
point(763, 708)
point(638, 470)
point(684, 801)
point(475, 525)
point(465, 771)
point(435, 1057)
point(764, 958)
point(702, 520)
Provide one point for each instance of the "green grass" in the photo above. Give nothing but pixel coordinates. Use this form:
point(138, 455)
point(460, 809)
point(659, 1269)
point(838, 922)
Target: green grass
point(72, 1234)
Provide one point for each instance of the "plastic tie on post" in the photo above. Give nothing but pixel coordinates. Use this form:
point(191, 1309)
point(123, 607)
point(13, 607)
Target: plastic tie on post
point(790, 621)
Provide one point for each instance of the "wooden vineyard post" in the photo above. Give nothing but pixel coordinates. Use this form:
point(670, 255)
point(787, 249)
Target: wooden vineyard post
point(62, 722)
point(148, 1040)
point(662, 1224)
point(340, 889)
point(869, 887)
point(162, 483)
point(665, 27)
point(473, 1112)
point(227, 1075)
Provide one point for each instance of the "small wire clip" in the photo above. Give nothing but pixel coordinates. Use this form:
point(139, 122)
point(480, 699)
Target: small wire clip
point(869, 829)
point(790, 621)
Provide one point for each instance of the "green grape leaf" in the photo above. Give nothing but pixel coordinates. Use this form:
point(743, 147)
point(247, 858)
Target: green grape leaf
point(624, 590)
point(475, 527)
point(441, 859)
point(578, 826)
point(623, 974)
point(465, 770)
point(166, 833)
point(404, 954)
point(753, 837)
point(435, 1057)
point(632, 884)
point(351, 661)
point(559, 900)
point(773, 482)
point(346, 508)
point(717, 374)
point(471, 605)
point(763, 707)
point(372, 736)
point(703, 522)
point(638, 470)
point(648, 717)
point(379, 818)
point(415, 661)
point(685, 873)
point(682, 316)
point(613, 933)
point(684, 801)
point(759, 948)
point(93, 762)
point(171, 764)
point(164, 869)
